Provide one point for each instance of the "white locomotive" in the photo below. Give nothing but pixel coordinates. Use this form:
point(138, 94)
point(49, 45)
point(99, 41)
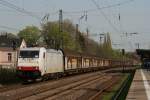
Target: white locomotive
point(36, 62)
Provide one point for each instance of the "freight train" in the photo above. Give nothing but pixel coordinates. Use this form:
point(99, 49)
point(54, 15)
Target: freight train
point(39, 62)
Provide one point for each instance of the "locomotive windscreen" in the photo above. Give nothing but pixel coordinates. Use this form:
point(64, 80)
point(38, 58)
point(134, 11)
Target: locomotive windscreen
point(29, 54)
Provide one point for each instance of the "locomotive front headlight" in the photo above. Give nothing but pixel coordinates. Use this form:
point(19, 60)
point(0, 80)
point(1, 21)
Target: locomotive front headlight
point(37, 68)
point(19, 68)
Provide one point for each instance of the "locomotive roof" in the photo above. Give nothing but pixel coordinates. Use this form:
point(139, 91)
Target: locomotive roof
point(32, 48)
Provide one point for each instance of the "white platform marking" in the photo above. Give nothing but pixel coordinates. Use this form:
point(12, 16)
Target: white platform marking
point(146, 85)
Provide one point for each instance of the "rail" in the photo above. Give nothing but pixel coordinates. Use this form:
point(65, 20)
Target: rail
point(94, 97)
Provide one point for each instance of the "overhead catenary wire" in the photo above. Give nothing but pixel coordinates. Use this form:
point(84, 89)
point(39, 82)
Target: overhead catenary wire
point(104, 15)
point(105, 7)
point(21, 10)
point(33, 14)
point(9, 28)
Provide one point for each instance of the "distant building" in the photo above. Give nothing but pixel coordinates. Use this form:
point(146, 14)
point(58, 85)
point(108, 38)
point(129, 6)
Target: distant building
point(8, 57)
point(9, 50)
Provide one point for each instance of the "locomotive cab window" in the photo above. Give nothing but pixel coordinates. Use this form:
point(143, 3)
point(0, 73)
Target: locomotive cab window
point(29, 54)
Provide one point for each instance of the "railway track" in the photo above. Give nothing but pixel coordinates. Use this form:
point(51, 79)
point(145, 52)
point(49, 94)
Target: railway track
point(108, 85)
point(10, 87)
point(73, 90)
point(82, 92)
point(87, 86)
point(4, 88)
point(45, 86)
point(58, 92)
point(86, 91)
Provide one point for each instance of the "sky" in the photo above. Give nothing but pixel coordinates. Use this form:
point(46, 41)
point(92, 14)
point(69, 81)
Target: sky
point(134, 17)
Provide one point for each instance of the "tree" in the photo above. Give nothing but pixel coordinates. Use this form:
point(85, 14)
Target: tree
point(80, 42)
point(30, 34)
point(56, 39)
point(9, 40)
point(107, 47)
point(69, 27)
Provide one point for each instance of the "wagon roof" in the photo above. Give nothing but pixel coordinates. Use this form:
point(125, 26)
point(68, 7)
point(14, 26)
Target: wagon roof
point(71, 53)
point(31, 48)
point(79, 54)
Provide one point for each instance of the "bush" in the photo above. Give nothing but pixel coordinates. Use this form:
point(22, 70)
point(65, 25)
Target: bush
point(8, 76)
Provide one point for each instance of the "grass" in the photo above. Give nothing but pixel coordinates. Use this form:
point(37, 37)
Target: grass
point(126, 89)
point(109, 95)
point(8, 76)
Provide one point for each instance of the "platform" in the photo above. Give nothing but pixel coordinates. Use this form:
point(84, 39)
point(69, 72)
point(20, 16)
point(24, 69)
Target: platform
point(140, 87)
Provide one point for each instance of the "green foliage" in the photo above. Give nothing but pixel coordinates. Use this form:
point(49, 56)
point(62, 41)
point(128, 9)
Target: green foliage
point(92, 47)
point(56, 39)
point(8, 76)
point(81, 40)
point(107, 47)
point(70, 38)
point(116, 54)
point(69, 27)
point(12, 36)
point(68, 41)
point(30, 34)
point(115, 89)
